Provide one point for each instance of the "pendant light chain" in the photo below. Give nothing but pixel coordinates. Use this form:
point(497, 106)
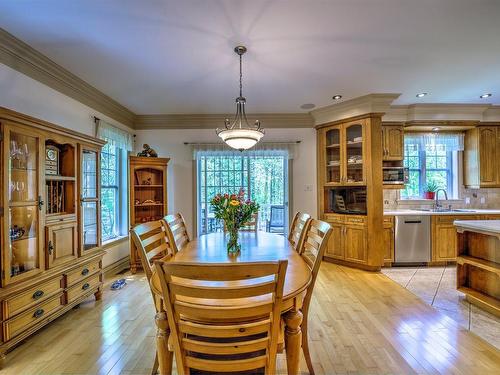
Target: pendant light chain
point(241, 80)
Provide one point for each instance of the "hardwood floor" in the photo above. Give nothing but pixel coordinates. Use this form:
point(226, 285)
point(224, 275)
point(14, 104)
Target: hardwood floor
point(360, 323)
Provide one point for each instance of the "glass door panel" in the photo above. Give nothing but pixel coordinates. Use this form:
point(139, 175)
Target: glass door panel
point(333, 156)
point(90, 228)
point(23, 236)
point(89, 174)
point(354, 153)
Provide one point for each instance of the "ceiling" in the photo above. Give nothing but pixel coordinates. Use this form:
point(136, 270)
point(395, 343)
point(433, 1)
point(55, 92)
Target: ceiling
point(167, 57)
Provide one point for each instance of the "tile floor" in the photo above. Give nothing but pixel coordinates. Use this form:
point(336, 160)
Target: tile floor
point(437, 287)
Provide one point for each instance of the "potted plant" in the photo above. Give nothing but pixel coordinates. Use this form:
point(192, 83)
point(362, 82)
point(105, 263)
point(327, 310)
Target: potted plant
point(235, 211)
point(430, 190)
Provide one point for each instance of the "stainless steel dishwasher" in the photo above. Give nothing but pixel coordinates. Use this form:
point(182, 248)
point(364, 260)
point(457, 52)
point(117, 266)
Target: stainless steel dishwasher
point(413, 239)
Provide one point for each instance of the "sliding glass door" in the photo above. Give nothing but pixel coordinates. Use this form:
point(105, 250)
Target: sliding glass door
point(264, 178)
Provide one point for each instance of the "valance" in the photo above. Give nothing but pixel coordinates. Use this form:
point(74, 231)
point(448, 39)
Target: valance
point(285, 149)
point(436, 141)
point(114, 135)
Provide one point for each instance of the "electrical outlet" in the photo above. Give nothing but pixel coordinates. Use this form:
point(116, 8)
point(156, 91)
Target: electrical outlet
point(467, 200)
point(308, 188)
point(482, 200)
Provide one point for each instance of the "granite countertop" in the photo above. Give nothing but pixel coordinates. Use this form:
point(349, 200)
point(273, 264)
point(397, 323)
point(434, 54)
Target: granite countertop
point(482, 226)
point(416, 212)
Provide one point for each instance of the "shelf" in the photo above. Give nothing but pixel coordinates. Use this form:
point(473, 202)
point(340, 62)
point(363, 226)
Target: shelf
point(59, 178)
point(148, 186)
point(23, 238)
point(24, 169)
point(488, 302)
point(480, 263)
point(333, 166)
point(333, 146)
point(148, 204)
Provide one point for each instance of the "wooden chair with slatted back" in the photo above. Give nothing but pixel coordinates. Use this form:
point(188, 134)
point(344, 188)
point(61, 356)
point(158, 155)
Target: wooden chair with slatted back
point(317, 234)
point(151, 242)
point(177, 233)
point(297, 232)
point(218, 325)
point(252, 225)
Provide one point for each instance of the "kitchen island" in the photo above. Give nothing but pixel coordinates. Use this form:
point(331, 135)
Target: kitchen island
point(478, 262)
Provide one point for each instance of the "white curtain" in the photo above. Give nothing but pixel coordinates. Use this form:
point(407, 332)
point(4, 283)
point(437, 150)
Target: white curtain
point(261, 149)
point(443, 141)
point(114, 135)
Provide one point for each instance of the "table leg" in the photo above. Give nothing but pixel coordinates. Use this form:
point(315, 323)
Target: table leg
point(293, 340)
point(165, 357)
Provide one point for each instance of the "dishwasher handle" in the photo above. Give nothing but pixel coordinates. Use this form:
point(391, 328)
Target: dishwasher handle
point(413, 221)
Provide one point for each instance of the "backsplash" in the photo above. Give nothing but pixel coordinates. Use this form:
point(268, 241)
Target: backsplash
point(469, 198)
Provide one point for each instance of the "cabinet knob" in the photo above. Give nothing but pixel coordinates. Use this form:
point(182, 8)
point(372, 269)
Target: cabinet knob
point(85, 286)
point(85, 271)
point(38, 313)
point(37, 294)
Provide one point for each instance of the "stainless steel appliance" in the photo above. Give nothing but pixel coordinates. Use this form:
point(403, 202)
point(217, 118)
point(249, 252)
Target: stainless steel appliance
point(395, 175)
point(413, 239)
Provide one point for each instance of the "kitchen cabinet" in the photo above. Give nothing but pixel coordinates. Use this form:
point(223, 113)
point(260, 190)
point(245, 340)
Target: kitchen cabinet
point(482, 157)
point(392, 142)
point(388, 239)
point(349, 239)
point(335, 248)
point(444, 236)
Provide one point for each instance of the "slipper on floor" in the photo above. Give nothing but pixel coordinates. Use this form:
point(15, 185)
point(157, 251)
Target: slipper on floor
point(118, 284)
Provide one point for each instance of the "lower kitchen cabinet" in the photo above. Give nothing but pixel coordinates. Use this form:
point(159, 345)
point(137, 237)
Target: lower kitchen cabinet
point(335, 248)
point(444, 236)
point(388, 239)
point(355, 243)
point(348, 240)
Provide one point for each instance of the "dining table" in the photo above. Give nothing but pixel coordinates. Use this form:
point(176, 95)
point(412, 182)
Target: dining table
point(255, 247)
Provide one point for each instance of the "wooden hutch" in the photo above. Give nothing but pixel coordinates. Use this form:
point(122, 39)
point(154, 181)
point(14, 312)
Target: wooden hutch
point(350, 189)
point(148, 195)
point(51, 256)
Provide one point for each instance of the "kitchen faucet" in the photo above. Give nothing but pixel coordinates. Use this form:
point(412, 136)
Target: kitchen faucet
point(438, 205)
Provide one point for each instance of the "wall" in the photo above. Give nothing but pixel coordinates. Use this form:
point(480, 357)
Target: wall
point(23, 94)
point(170, 143)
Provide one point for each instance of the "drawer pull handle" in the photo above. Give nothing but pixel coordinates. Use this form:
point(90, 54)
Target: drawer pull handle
point(85, 271)
point(37, 294)
point(85, 286)
point(38, 313)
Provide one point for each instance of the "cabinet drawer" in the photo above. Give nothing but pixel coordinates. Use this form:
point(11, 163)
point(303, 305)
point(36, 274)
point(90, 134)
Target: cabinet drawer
point(334, 218)
point(82, 272)
point(449, 219)
point(361, 220)
point(82, 287)
point(388, 219)
point(20, 302)
point(20, 323)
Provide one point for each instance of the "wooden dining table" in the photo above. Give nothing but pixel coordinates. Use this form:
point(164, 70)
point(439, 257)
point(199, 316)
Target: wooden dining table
point(255, 247)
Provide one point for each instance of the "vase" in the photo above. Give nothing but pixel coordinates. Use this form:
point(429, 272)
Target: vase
point(233, 247)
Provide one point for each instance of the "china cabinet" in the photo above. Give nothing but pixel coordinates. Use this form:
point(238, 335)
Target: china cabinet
point(148, 195)
point(350, 189)
point(51, 258)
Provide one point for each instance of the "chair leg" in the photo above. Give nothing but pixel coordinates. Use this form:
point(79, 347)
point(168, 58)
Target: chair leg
point(154, 371)
point(305, 346)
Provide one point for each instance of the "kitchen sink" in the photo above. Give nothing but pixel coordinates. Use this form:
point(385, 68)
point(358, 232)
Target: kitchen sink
point(442, 210)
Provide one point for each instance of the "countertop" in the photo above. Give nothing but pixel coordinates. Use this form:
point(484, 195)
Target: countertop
point(482, 226)
point(415, 212)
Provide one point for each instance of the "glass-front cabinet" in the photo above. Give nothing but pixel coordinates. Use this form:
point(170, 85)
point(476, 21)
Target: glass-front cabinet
point(89, 202)
point(344, 147)
point(22, 204)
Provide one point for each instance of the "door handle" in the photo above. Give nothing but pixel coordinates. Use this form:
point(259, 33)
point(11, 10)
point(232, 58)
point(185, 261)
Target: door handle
point(50, 247)
point(40, 203)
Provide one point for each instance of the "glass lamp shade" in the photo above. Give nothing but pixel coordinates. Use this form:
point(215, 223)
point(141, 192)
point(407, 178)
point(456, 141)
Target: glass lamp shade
point(241, 139)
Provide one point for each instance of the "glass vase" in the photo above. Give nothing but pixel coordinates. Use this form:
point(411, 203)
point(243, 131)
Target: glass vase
point(233, 247)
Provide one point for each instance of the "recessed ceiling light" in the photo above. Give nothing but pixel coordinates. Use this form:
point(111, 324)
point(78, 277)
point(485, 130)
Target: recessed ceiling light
point(485, 96)
point(436, 129)
point(337, 97)
point(421, 95)
point(308, 106)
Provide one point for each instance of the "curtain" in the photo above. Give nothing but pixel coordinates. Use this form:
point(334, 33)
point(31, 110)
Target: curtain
point(440, 141)
point(114, 135)
point(261, 149)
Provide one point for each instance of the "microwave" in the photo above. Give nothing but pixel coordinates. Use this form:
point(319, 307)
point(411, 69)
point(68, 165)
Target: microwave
point(395, 175)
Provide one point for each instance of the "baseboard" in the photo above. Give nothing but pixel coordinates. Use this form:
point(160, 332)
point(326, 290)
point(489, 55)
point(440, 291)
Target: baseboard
point(116, 267)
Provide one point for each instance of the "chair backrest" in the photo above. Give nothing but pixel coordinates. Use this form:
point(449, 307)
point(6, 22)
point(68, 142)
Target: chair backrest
point(297, 229)
point(223, 317)
point(176, 231)
point(151, 241)
point(252, 225)
point(277, 216)
point(317, 234)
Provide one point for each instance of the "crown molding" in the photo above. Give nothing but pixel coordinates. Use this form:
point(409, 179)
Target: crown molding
point(25, 59)
point(371, 103)
point(212, 121)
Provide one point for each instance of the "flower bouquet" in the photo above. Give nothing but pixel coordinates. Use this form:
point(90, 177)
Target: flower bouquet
point(235, 211)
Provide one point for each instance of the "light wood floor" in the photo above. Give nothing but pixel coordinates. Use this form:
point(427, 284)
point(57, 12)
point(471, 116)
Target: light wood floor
point(360, 323)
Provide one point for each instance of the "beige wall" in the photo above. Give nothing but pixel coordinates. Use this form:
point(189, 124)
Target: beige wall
point(170, 143)
point(23, 94)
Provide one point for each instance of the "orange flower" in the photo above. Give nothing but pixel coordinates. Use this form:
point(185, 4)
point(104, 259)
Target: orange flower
point(234, 203)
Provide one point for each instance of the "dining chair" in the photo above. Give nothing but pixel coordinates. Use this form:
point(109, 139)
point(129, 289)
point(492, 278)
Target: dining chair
point(312, 249)
point(223, 317)
point(177, 233)
point(151, 242)
point(276, 222)
point(252, 225)
point(297, 229)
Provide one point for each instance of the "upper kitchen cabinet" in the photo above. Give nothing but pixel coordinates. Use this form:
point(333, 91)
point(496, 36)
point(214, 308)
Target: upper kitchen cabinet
point(392, 142)
point(481, 157)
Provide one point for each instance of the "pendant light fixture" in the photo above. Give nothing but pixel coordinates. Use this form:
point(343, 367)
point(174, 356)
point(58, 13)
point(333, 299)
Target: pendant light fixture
point(239, 134)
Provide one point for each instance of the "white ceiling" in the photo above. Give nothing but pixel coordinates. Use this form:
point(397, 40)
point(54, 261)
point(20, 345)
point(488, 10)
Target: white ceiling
point(177, 56)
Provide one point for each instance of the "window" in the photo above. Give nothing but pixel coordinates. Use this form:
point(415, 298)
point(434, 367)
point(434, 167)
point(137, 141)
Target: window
point(113, 164)
point(431, 158)
point(264, 178)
